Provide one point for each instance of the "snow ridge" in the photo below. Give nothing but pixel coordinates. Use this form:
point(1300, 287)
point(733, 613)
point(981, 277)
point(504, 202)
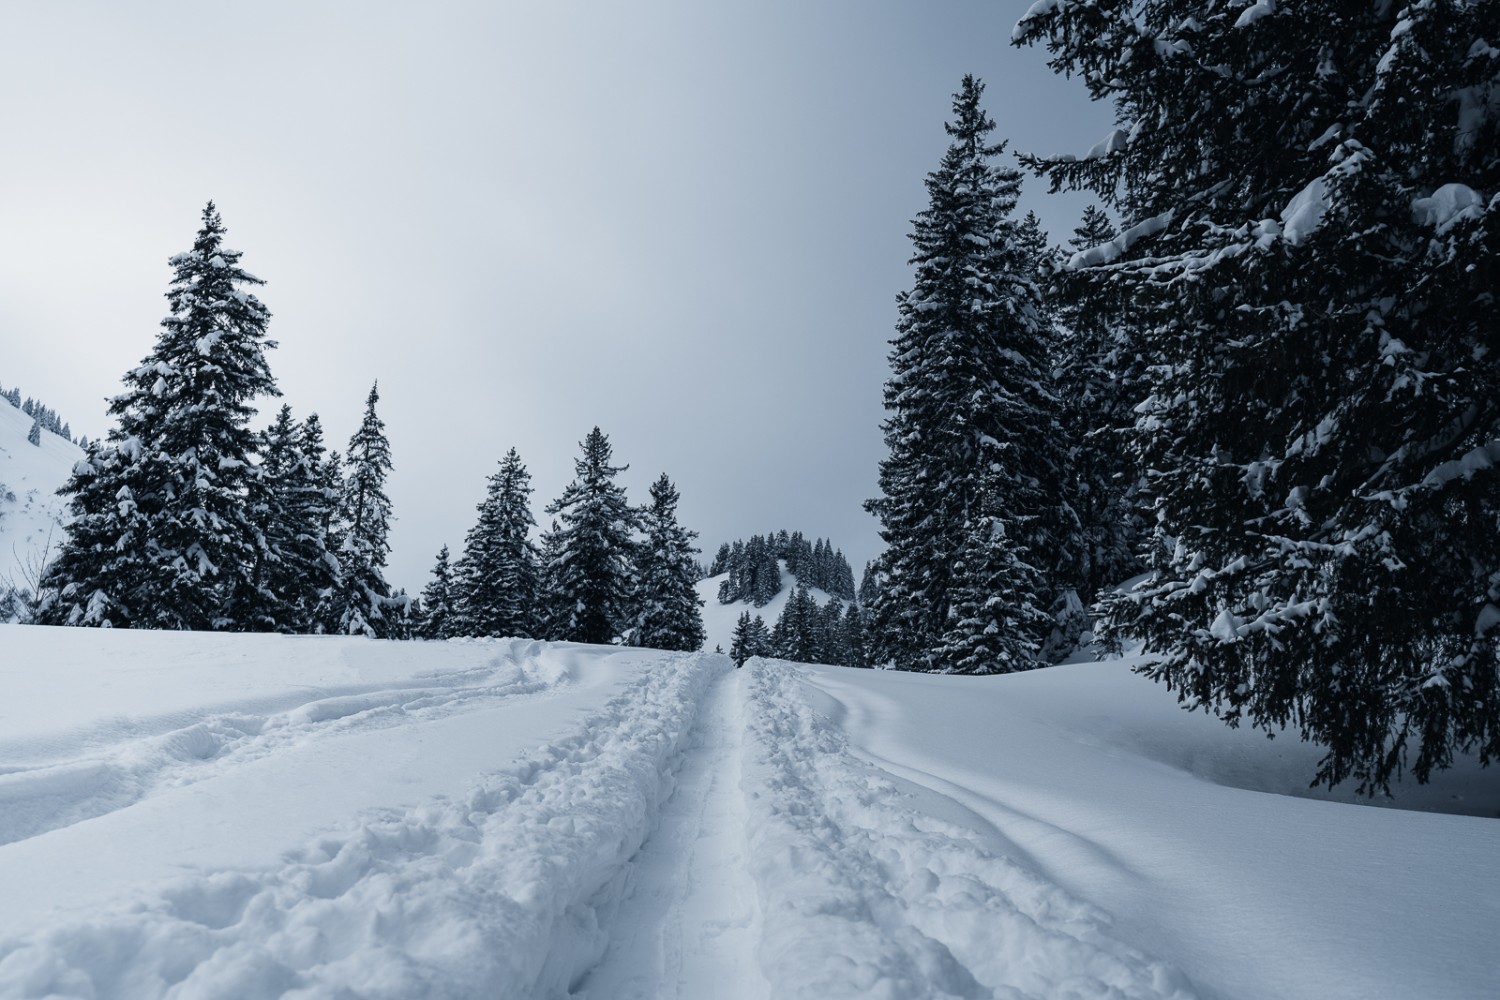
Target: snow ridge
point(865, 896)
point(499, 893)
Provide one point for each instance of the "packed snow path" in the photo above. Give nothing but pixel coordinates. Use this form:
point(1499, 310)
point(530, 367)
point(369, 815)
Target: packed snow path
point(190, 816)
point(689, 924)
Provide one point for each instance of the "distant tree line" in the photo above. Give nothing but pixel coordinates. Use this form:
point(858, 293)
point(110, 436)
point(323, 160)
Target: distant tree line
point(43, 418)
point(604, 571)
point(186, 518)
point(834, 633)
point(755, 576)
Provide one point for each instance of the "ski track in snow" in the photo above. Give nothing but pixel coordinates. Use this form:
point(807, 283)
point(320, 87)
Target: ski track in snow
point(866, 896)
point(689, 923)
point(120, 766)
point(499, 893)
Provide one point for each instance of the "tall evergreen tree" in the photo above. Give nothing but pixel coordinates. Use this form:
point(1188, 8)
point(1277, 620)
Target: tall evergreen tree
point(969, 406)
point(995, 624)
point(318, 568)
point(437, 616)
point(589, 573)
point(497, 575)
point(669, 615)
point(365, 597)
point(1310, 251)
point(275, 500)
point(163, 537)
point(1099, 384)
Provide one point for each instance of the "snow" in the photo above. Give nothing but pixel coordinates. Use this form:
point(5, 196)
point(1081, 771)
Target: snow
point(31, 514)
point(1304, 213)
point(1448, 206)
point(1107, 253)
point(193, 815)
point(1256, 11)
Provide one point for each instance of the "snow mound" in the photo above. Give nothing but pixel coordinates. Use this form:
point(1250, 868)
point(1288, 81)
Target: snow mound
point(1447, 207)
point(31, 512)
point(866, 894)
point(497, 892)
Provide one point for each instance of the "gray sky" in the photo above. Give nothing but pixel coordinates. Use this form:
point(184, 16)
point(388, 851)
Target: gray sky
point(682, 221)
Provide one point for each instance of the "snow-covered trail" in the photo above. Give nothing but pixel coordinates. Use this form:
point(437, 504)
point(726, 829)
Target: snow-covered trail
point(689, 924)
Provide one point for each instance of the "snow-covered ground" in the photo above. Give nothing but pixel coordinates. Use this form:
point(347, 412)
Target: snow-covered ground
point(188, 815)
point(30, 510)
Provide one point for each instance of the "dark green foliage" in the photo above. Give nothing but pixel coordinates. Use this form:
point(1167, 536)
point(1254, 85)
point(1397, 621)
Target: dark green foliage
point(497, 575)
point(162, 536)
point(1310, 254)
point(1099, 383)
point(365, 605)
point(588, 555)
point(436, 620)
point(668, 615)
point(970, 410)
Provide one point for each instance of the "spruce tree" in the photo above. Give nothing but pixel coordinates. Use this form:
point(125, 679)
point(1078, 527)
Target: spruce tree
point(994, 623)
point(497, 574)
point(969, 405)
point(436, 620)
point(740, 643)
point(318, 566)
point(167, 492)
point(589, 573)
point(34, 436)
point(669, 615)
point(269, 602)
point(365, 605)
point(1309, 249)
point(1099, 385)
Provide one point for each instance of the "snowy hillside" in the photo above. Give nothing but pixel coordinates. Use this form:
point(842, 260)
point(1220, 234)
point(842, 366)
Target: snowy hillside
point(30, 510)
point(210, 815)
point(719, 619)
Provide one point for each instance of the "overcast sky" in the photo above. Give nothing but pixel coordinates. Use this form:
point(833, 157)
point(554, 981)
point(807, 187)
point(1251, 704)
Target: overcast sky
point(685, 222)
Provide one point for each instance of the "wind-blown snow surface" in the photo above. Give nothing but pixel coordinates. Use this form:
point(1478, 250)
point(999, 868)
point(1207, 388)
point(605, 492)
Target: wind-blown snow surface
point(31, 513)
point(188, 815)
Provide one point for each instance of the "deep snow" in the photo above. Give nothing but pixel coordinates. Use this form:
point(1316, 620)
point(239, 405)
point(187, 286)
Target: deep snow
point(189, 815)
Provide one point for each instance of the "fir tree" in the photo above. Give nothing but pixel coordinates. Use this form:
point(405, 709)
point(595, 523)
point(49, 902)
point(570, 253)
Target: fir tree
point(497, 575)
point(1310, 252)
point(34, 436)
point(163, 537)
point(436, 618)
point(365, 597)
point(994, 622)
point(669, 615)
point(589, 573)
point(740, 643)
point(1098, 383)
point(319, 572)
point(968, 403)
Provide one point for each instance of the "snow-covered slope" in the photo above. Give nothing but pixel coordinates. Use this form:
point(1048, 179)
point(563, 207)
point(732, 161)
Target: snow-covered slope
point(31, 513)
point(719, 619)
point(195, 815)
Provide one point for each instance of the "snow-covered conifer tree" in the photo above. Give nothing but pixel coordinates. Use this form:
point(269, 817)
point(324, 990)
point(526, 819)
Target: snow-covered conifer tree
point(668, 615)
point(969, 404)
point(365, 597)
point(1098, 384)
point(163, 537)
point(437, 620)
point(496, 583)
point(1310, 229)
point(590, 552)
